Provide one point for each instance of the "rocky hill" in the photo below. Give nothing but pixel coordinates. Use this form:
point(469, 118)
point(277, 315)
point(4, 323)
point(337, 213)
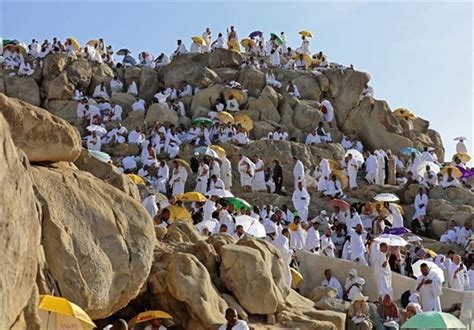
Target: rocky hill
point(74, 227)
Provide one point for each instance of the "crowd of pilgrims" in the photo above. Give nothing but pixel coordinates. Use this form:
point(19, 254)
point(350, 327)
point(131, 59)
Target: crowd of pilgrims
point(349, 232)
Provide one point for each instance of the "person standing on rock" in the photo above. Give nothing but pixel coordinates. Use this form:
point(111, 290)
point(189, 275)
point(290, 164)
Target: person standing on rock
point(206, 48)
point(247, 171)
point(382, 271)
point(371, 168)
point(358, 240)
point(421, 204)
point(305, 46)
point(352, 169)
point(301, 201)
point(202, 177)
point(328, 111)
point(162, 177)
point(460, 146)
point(380, 179)
point(298, 171)
point(178, 179)
point(313, 240)
point(226, 172)
point(258, 182)
point(327, 246)
point(277, 176)
point(282, 243)
point(232, 34)
point(429, 288)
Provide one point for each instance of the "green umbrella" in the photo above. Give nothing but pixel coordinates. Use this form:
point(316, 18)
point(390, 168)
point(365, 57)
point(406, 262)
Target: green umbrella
point(202, 120)
point(433, 320)
point(238, 203)
point(277, 39)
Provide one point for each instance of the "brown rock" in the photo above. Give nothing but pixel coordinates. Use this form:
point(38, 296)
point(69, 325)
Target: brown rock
point(162, 113)
point(65, 109)
point(23, 88)
point(322, 292)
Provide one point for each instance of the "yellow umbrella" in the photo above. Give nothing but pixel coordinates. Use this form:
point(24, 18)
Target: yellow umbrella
point(296, 278)
point(148, 316)
point(396, 205)
point(179, 213)
point(136, 179)
point(248, 43)
point(306, 59)
point(431, 252)
point(233, 45)
point(191, 196)
point(198, 40)
point(410, 116)
point(225, 117)
point(220, 151)
point(465, 158)
point(245, 121)
point(342, 178)
point(184, 163)
point(333, 165)
point(56, 312)
point(75, 44)
point(306, 33)
point(237, 93)
point(402, 112)
point(92, 42)
point(455, 171)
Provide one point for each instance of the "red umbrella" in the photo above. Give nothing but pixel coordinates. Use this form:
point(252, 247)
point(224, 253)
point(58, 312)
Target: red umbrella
point(343, 205)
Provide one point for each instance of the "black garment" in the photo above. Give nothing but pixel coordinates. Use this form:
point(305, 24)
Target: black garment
point(278, 178)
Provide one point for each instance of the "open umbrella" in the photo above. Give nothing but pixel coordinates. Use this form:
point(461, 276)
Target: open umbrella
point(459, 138)
point(74, 43)
point(202, 120)
point(239, 203)
point(92, 42)
point(251, 225)
point(396, 231)
point(225, 117)
point(148, 316)
point(433, 267)
point(209, 224)
point(179, 213)
point(248, 43)
point(276, 39)
point(245, 121)
point(421, 167)
point(356, 155)
point(433, 320)
point(183, 163)
point(238, 95)
point(386, 197)
point(306, 59)
point(402, 112)
point(392, 240)
point(220, 151)
point(407, 151)
point(191, 196)
point(431, 252)
point(306, 33)
point(206, 151)
point(342, 177)
point(101, 131)
point(233, 45)
point(100, 155)
point(60, 313)
point(198, 40)
point(255, 34)
point(465, 158)
point(136, 179)
point(343, 205)
point(123, 52)
point(454, 171)
point(221, 193)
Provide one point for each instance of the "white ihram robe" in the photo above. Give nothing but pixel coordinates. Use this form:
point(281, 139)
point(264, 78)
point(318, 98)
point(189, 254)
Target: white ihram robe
point(312, 240)
point(283, 245)
point(178, 180)
point(163, 175)
point(301, 203)
point(429, 293)
point(298, 172)
point(383, 275)
point(419, 209)
point(371, 168)
point(226, 172)
point(352, 169)
point(259, 177)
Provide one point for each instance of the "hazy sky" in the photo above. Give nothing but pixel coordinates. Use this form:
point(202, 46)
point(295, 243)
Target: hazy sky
point(419, 54)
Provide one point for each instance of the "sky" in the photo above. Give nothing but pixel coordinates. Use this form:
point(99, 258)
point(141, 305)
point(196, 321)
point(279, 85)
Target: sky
point(419, 54)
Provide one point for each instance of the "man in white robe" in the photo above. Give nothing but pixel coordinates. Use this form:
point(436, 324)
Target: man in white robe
point(313, 239)
point(178, 179)
point(115, 112)
point(195, 48)
point(305, 46)
point(382, 271)
point(380, 180)
point(136, 136)
point(100, 91)
point(258, 182)
point(457, 274)
point(149, 203)
point(327, 246)
point(282, 243)
point(430, 179)
point(332, 282)
point(328, 111)
point(216, 183)
point(271, 80)
point(206, 47)
point(162, 177)
point(94, 142)
point(371, 168)
point(313, 138)
point(247, 171)
point(421, 204)
point(461, 147)
point(301, 201)
point(358, 249)
point(297, 234)
point(352, 169)
point(292, 90)
point(219, 42)
point(116, 85)
point(429, 287)
point(226, 172)
point(464, 234)
point(209, 207)
point(298, 171)
point(180, 48)
point(202, 177)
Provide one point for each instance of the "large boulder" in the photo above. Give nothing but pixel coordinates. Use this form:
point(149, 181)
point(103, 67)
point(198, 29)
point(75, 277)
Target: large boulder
point(99, 249)
point(189, 67)
point(59, 88)
point(207, 97)
point(66, 109)
point(266, 109)
point(42, 136)
point(125, 100)
point(246, 274)
point(79, 73)
point(322, 292)
point(23, 88)
point(162, 113)
point(253, 80)
point(308, 87)
point(148, 84)
point(307, 115)
point(220, 58)
point(20, 231)
point(101, 72)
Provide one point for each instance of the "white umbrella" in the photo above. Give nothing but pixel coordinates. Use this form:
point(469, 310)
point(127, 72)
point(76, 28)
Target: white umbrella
point(421, 167)
point(209, 224)
point(386, 197)
point(99, 155)
point(460, 138)
point(98, 129)
point(433, 267)
point(219, 193)
point(392, 240)
point(356, 155)
point(251, 225)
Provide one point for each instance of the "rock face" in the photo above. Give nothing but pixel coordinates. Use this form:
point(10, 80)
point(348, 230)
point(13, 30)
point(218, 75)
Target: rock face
point(159, 112)
point(43, 137)
point(25, 89)
point(20, 231)
point(97, 255)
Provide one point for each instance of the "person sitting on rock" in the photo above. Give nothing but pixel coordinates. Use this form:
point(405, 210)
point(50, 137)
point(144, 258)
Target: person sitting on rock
point(232, 322)
point(180, 48)
point(227, 133)
point(136, 136)
point(449, 180)
point(450, 236)
point(172, 142)
point(132, 88)
point(279, 135)
point(313, 138)
point(324, 137)
point(333, 188)
point(187, 89)
point(162, 60)
point(292, 90)
point(219, 42)
point(25, 68)
point(138, 105)
point(430, 179)
point(300, 64)
point(100, 91)
point(116, 85)
point(271, 80)
point(93, 142)
point(332, 282)
point(241, 138)
point(232, 105)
